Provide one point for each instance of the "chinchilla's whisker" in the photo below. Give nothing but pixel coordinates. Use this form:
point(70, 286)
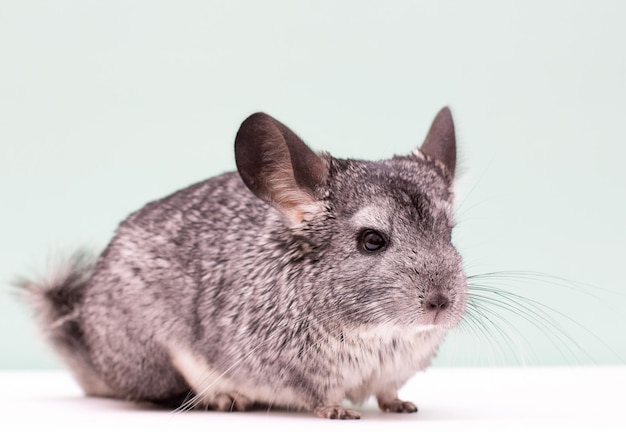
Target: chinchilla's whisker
point(473, 331)
point(491, 316)
point(471, 326)
point(528, 305)
point(544, 278)
point(488, 329)
point(508, 278)
point(543, 309)
point(186, 404)
point(234, 401)
point(544, 328)
point(551, 329)
point(485, 328)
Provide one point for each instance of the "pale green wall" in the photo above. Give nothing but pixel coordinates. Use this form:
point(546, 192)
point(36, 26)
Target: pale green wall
point(106, 105)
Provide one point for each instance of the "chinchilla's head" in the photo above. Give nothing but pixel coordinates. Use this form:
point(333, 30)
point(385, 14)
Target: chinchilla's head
point(377, 234)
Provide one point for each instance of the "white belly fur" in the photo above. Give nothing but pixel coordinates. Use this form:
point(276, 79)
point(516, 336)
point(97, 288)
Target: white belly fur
point(208, 382)
point(375, 370)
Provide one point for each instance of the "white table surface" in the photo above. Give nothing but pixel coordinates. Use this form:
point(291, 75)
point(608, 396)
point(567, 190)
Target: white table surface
point(468, 399)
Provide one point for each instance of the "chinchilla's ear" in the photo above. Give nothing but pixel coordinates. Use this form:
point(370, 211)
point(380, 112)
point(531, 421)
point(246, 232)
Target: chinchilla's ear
point(279, 168)
point(440, 143)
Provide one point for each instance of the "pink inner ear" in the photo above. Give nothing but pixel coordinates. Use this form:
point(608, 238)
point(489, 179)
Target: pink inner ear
point(309, 169)
point(278, 167)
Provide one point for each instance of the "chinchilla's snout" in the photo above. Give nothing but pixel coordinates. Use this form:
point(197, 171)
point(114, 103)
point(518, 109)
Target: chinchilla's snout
point(452, 306)
point(443, 308)
point(441, 291)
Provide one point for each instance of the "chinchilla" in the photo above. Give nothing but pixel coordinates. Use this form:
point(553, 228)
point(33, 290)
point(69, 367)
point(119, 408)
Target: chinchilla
point(298, 282)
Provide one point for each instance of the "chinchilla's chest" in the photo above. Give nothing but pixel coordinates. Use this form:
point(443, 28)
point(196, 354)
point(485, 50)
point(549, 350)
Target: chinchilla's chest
point(369, 361)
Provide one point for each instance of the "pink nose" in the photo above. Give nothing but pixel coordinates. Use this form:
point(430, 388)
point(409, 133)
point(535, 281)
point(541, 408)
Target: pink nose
point(436, 302)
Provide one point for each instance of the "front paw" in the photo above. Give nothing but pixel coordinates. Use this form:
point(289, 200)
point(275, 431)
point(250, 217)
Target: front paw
point(397, 406)
point(230, 402)
point(337, 412)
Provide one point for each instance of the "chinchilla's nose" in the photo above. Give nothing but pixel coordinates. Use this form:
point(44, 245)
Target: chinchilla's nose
point(436, 302)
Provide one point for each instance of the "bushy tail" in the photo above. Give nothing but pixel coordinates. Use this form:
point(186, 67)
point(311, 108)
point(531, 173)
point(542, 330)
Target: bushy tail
point(56, 301)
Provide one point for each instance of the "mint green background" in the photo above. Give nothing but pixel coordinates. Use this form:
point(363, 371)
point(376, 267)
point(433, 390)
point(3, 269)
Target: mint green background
point(107, 105)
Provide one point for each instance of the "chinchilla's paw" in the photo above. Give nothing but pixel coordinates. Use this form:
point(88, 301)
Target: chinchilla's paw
point(337, 412)
point(397, 406)
point(230, 402)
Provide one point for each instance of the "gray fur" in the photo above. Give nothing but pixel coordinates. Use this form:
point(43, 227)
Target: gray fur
point(276, 298)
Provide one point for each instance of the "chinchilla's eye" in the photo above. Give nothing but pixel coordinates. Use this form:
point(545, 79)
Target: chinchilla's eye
point(372, 241)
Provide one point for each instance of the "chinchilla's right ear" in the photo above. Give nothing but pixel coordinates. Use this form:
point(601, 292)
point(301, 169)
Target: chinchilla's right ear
point(279, 167)
point(440, 143)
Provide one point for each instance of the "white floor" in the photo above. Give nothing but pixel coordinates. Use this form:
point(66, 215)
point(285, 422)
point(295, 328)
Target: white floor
point(507, 399)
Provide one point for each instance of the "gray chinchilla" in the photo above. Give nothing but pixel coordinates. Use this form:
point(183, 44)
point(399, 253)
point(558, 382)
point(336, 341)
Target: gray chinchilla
point(299, 281)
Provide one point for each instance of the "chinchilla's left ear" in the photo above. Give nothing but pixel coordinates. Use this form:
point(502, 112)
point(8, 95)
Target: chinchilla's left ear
point(278, 167)
point(440, 143)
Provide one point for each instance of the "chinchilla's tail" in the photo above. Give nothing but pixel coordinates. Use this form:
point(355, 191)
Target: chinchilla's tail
point(56, 300)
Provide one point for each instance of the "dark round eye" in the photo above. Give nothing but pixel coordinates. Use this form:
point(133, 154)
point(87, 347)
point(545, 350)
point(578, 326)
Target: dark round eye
point(372, 241)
